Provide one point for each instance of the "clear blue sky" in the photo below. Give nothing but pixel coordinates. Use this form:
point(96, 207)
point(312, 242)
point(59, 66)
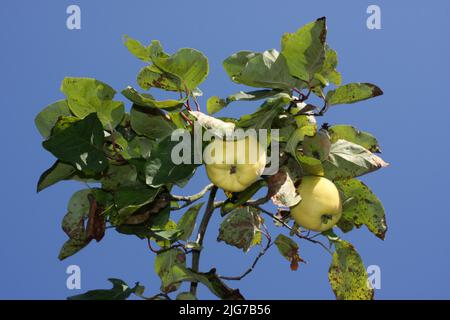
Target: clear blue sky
point(408, 59)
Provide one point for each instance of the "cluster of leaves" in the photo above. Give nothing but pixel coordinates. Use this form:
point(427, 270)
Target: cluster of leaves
point(126, 154)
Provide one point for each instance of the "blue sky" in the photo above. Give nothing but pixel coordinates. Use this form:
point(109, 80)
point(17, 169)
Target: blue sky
point(407, 58)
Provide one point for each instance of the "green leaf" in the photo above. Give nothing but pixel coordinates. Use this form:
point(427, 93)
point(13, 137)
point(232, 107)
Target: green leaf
point(156, 219)
point(151, 123)
point(288, 248)
point(119, 291)
point(209, 279)
point(47, 118)
point(137, 49)
point(215, 103)
point(317, 146)
point(240, 227)
point(72, 246)
point(328, 71)
point(188, 65)
point(119, 176)
point(129, 199)
point(261, 70)
point(361, 207)
point(352, 134)
point(240, 198)
point(304, 50)
point(351, 93)
point(165, 268)
point(306, 126)
point(153, 77)
point(87, 95)
point(58, 172)
point(166, 235)
point(80, 144)
point(147, 100)
point(264, 116)
point(186, 296)
point(347, 274)
point(161, 170)
point(235, 63)
point(349, 160)
point(187, 221)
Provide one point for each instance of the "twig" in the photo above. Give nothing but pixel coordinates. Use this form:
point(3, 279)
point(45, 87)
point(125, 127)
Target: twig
point(158, 295)
point(178, 245)
point(197, 105)
point(191, 199)
point(323, 110)
point(255, 262)
point(295, 231)
point(201, 234)
point(185, 117)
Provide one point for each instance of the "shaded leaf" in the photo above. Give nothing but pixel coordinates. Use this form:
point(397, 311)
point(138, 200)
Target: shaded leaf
point(347, 274)
point(58, 172)
point(361, 207)
point(119, 291)
point(211, 280)
point(187, 222)
point(317, 146)
point(165, 268)
point(80, 144)
point(119, 176)
point(351, 93)
point(128, 200)
point(161, 170)
point(147, 100)
point(264, 116)
point(47, 118)
point(240, 198)
point(151, 123)
point(328, 72)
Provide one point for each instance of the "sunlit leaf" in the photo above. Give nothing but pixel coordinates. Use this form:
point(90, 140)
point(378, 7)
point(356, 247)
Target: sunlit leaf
point(304, 49)
point(361, 207)
point(347, 274)
point(351, 93)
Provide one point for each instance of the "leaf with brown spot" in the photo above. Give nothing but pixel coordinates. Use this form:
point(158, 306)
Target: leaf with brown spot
point(289, 250)
point(347, 274)
point(361, 207)
point(240, 227)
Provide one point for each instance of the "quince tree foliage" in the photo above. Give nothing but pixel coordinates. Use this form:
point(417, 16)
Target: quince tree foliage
point(123, 153)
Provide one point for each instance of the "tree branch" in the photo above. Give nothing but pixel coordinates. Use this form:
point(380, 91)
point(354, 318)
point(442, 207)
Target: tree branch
point(255, 262)
point(295, 231)
point(191, 199)
point(201, 234)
